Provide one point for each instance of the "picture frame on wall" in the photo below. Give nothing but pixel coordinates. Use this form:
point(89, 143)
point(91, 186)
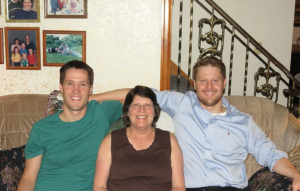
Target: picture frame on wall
point(297, 14)
point(60, 47)
point(65, 8)
point(22, 11)
point(22, 43)
point(1, 45)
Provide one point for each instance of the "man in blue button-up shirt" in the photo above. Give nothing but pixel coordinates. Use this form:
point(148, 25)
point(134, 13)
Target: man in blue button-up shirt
point(215, 138)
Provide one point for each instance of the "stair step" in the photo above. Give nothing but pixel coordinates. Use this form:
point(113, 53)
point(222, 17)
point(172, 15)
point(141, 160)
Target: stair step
point(183, 84)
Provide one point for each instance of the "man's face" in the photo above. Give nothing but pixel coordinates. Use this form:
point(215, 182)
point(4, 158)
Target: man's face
point(209, 86)
point(76, 90)
point(27, 39)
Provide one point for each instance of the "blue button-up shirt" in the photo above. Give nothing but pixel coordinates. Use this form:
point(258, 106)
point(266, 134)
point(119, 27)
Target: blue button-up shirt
point(214, 148)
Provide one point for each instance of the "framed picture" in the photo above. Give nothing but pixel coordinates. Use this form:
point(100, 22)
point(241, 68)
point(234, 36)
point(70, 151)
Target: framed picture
point(1, 45)
point(65, 8)
point(60, 47)
point(22, 48)
point(22, 10)
point(297, 14)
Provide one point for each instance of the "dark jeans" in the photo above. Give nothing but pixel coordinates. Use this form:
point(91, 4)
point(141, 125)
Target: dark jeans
point(217, 188)
point(17, 64)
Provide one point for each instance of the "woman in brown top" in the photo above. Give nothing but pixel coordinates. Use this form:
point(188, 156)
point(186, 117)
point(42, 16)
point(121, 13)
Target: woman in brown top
point(139, 157)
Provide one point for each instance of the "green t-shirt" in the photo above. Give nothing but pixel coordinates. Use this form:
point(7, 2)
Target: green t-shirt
point(24, 62)
point(70, 148)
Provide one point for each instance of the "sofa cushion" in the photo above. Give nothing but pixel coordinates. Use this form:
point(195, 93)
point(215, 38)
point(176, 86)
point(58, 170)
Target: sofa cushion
point(54, 103)
point(12, 164)
point(17, 115)
point(264, 180)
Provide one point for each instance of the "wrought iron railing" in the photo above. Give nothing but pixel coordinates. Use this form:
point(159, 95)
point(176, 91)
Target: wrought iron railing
point(214, 39)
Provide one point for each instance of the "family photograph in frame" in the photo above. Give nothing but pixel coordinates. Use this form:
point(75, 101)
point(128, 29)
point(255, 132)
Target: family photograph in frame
point(297, 13)
point(22, 48)
point(60, 47)
point(296, 29)
point(1, 44)
point(65, 8)
point(22, 10)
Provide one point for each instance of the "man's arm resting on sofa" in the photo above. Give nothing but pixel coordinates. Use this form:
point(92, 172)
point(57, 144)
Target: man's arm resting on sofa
point(118, 95)
point(31, 171)
point(284, 167)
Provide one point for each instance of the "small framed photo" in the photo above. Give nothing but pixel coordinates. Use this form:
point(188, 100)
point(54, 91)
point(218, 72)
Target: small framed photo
point(22, 10)
point(1, 45)
point(65, 8)
point(22, 47)
point(297, 14)
point(60, 47)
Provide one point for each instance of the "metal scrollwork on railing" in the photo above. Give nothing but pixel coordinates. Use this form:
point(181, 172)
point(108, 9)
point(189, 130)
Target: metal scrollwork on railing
point(211, 37)
point(267, 89)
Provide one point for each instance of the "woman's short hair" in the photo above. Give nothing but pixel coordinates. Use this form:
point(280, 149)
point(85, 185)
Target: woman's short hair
point(17, 40)
point(144, 92)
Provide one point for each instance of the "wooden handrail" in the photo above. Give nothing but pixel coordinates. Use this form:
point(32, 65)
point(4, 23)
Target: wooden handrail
point(165, 45)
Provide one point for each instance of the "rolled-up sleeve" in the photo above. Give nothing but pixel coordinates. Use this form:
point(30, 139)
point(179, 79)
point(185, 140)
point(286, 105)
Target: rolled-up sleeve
point(261, 147)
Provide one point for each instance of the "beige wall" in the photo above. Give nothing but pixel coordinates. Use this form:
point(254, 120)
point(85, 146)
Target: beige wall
point(268, 21)
point(123, 47)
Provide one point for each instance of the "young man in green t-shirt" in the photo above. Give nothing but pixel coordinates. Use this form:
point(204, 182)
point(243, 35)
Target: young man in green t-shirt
point(61, 150)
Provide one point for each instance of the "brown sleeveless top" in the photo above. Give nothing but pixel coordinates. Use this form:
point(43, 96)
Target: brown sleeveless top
point(144, 170)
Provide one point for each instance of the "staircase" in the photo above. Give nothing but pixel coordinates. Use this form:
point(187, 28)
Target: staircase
point(219, 35)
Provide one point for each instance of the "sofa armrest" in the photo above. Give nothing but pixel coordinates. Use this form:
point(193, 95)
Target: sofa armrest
point(263, 179)
point(294, 157)
point(292, 134)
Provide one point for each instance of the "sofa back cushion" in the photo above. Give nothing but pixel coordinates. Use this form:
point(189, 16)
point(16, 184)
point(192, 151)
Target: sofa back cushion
point(18, 113)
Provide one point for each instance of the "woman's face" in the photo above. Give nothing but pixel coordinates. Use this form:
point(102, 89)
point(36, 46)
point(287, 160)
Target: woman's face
point(141, 112)
point(27, 4)
point(17, 42)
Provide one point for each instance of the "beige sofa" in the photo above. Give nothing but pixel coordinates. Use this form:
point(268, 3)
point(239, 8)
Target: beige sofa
point(17, 115)
point(19, 112)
